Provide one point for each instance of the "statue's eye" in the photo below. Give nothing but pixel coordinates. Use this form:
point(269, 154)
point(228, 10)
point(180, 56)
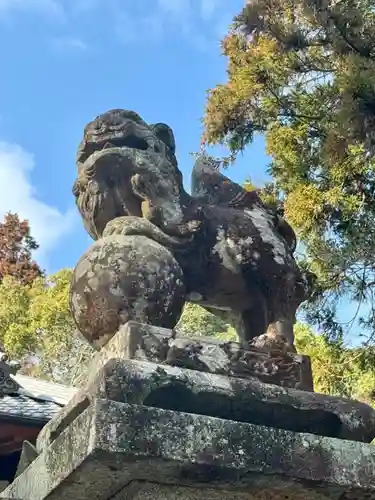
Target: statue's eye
point(98, 125)
point(131, 115)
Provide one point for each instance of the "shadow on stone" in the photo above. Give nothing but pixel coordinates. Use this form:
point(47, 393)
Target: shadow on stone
point(178, 397)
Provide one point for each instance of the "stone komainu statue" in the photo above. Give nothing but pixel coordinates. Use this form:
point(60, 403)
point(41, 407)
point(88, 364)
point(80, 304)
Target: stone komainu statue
point(156, 246)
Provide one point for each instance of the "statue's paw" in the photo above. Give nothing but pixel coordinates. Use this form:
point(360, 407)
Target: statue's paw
point(114, 226)
point(122, 278)
point(272, 342)
point(193, 225)
point(127, 225)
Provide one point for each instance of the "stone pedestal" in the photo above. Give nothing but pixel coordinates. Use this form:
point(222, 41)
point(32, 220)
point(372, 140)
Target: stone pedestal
point(144, 430)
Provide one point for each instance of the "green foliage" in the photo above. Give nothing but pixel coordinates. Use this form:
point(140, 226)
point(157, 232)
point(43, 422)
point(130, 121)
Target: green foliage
point(329, 361)
point(197, 321)
point(303, 73)
point(36, 320)
point(337, 369)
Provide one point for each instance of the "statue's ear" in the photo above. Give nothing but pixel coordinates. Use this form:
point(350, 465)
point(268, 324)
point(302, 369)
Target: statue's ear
point(165, 134)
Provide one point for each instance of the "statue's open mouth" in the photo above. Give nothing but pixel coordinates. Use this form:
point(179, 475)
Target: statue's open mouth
point(108, 141)
point(105, 169)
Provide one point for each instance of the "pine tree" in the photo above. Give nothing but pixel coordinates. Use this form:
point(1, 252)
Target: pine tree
point(302, 72)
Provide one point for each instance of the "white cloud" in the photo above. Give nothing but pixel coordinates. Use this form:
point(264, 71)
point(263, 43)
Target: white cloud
point(85, 6)
point(48, 224)
point(69, 43)
point(198, 21)
point(209, 8)
point(204, 9)
point(51, 8)
point(176, 7)
point(131, 30)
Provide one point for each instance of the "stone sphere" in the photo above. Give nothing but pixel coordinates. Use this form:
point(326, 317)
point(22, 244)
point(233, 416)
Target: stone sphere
point(122, 278)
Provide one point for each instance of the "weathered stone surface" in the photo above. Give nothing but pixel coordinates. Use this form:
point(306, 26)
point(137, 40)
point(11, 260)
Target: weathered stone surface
point(251, 401)
point(3, 485)
point(121, 278)
point(234, 398)
point(233, 252)
point(110, 445)
point(159, 345)
point(28, 455)
point(152, 491)
point(7, 368)
point(78, 404)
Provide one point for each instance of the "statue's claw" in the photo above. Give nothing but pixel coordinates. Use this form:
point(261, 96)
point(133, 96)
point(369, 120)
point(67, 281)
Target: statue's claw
point(272, 342)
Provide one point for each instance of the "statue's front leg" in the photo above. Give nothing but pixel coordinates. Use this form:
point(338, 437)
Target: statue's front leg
point(122, 278)
point(254, 321)
point(260, 331)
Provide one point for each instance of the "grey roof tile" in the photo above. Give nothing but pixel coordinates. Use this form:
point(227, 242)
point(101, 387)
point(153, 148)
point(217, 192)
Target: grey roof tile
point(35, 401)
point(22, 407)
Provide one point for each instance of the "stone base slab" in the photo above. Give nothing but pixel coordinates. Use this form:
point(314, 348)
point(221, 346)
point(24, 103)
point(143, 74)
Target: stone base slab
point(153, 491)
point(125, 451)
point(244, 400)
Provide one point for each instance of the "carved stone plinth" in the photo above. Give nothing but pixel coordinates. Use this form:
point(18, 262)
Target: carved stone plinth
point(144, 430)
point(143, 342)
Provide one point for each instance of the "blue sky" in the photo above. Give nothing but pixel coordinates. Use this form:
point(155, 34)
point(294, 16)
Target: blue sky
point(66, 61)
